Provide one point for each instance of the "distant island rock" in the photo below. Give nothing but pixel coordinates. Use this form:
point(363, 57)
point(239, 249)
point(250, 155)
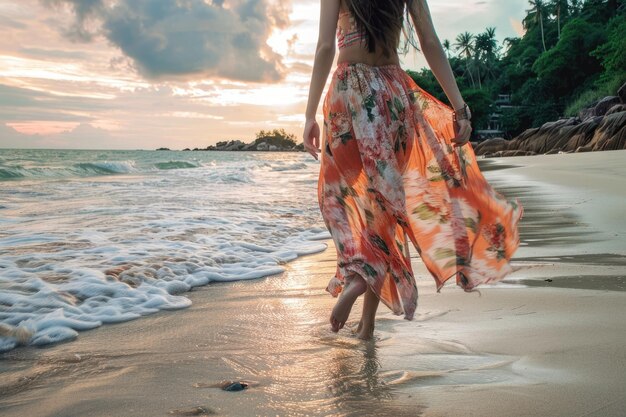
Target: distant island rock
point(601, 127)
point(276, 140)
point(163, 149)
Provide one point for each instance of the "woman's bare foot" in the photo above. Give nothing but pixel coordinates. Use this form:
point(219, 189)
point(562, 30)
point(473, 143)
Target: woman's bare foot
point(355, 286)
point(365, 331)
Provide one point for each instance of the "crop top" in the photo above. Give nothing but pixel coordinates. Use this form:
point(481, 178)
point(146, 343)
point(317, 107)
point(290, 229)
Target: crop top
point(347, 31)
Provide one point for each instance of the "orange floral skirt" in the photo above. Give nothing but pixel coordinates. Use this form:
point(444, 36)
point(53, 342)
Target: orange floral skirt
point(390, 174)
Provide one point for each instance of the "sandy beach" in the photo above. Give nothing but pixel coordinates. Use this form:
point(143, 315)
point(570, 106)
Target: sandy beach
point(547, 341)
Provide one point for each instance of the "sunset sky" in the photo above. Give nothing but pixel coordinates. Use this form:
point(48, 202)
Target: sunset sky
point(141, 74)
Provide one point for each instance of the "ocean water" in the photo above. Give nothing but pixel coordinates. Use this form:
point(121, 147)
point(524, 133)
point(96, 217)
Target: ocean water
point(95, 237)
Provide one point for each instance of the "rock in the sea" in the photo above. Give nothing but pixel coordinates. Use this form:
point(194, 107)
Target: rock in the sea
point(234, 145)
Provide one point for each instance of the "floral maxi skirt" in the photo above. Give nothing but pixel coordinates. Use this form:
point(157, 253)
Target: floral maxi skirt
point(389, 173)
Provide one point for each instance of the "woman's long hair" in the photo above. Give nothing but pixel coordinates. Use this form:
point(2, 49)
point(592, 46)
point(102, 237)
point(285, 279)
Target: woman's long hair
point(382, 21)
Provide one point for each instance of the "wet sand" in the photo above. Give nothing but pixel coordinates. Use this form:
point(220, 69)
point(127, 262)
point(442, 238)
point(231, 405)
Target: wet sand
point(549, 340)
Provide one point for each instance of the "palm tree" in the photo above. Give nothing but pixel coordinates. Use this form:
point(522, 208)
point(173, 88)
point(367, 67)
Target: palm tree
point(446, 47)
point(464, 44)
point(491, 44)
point(485, 46)
point(559, 8)
point(575, 6)
point(537, 11)
point(480, 52)
point(509, 42)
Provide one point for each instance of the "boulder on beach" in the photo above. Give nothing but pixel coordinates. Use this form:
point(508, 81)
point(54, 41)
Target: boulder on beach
point(621, 93)
point(599, 108)
point(491, 145)
point(610, 135)
point(618, 108)
point(601, 127)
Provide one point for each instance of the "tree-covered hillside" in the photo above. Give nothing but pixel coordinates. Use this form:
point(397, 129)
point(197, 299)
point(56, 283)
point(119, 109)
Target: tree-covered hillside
point(572, 53)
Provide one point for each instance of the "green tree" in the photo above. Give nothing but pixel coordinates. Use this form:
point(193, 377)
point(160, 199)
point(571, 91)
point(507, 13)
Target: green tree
point(464, 44)
point(612, 53)
point(536, 14)
point(480, 104)
point(486, 46)
point(572, 53)
point(569, 65)
point(276, 137)
point(426, 80)
point(560, 8)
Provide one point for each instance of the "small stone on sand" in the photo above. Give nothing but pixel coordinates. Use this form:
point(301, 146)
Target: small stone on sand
point(194, 411)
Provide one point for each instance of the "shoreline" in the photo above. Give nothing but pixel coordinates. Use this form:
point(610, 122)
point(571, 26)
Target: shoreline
point(515, 349)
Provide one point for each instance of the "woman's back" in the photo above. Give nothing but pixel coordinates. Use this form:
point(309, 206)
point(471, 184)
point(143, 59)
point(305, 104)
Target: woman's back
point(353, 42)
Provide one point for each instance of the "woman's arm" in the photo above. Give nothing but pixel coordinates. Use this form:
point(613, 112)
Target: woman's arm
point(439, 65)
point(434, 53)
point(324, 55)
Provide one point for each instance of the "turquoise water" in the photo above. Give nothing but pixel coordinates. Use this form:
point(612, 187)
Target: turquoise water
point(94, 237)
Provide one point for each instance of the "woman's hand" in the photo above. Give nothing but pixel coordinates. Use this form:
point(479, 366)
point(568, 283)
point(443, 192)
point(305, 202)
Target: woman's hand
point(311, 137)
point(463, 130)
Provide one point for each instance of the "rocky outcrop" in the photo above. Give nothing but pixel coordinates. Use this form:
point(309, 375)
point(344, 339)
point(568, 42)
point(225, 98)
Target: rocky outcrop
point(491, 145)
point(621, 93)
point(601, 127)
point(233, 145)
point(599, 108)
point(610, 134)
point(257, 145)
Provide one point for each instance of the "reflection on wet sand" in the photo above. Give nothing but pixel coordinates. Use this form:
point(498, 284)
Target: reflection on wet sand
point(494, 354)
point(353, 375)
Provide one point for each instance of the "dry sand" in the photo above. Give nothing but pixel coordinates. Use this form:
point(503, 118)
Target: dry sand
point(525, 347)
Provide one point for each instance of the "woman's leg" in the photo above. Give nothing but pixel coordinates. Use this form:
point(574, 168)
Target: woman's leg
point(354, 286)
point(365, 330)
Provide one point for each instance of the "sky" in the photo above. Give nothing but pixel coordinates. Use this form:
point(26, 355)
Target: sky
point(143, 74)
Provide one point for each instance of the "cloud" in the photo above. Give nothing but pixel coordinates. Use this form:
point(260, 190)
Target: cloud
point(186, 39)
point(52, 54)
point(8, 22)
point(22, 104)
point(84, 10)
point(9, 137)
point(83, 136)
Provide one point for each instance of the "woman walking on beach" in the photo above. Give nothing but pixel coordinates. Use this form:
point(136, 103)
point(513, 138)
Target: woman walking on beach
point(396, 163)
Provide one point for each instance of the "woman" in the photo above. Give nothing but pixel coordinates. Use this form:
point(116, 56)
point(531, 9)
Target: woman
point(396, 163)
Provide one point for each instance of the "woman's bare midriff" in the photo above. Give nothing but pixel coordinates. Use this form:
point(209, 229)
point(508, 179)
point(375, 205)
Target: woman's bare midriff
point(358, 54)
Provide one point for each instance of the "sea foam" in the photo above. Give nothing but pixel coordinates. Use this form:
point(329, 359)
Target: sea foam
point(79, 253)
